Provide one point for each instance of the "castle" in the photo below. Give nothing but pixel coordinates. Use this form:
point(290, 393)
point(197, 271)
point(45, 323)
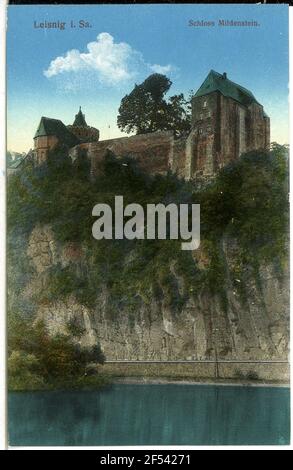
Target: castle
point(50, 132)
point(227, 121)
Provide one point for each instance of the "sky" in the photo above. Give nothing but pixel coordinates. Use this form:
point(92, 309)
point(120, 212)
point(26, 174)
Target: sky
point(51, 72)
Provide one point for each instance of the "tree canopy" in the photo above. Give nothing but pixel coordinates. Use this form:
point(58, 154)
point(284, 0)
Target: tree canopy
point(146, 110)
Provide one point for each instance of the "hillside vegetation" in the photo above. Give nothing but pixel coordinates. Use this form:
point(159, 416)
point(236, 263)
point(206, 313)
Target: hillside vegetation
point(247, 202)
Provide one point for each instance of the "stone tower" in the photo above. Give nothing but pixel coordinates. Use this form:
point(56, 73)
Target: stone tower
point(227, 121)
point(52, 132)
point(49, 134)
point(82, 131)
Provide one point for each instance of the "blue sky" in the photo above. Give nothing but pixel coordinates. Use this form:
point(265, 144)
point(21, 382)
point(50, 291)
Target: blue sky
point(124, 45)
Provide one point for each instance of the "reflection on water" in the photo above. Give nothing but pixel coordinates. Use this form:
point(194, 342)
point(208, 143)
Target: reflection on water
point(151, 415)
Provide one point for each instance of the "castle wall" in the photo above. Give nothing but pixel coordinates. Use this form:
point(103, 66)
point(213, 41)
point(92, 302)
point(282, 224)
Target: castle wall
point(43, 145)
point(89, 134)
point(203, 142)
point(232, 124)
point(154, 152)
point(222, 130)
point(242, 130)
point(179, 160)
point(259, 135)
point(267, 132)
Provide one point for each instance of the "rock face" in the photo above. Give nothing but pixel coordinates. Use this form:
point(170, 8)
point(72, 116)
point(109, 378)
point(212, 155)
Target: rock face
point(251, 326)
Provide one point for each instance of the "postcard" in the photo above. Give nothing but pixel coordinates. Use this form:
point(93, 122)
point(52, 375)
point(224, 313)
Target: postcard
point(147, 225)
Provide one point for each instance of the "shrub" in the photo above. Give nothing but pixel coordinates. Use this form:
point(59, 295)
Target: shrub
point(24, 372)
point(39, 360)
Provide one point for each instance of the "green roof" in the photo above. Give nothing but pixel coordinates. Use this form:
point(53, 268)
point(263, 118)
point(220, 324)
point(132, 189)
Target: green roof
point(219, 82)
point(49, 126)
point(80, 119)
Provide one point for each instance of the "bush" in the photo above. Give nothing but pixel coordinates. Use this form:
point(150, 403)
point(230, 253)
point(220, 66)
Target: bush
point(24, 372)
point(39, 360)
point(252, 375)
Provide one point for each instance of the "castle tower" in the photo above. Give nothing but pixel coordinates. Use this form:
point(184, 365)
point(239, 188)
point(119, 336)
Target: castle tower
point(80, 119)
point(227, 121)
point(82, 131)
point(52, 132)
point(49, 134)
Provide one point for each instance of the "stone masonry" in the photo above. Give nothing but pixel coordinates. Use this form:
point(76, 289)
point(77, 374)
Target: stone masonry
point(227, 121)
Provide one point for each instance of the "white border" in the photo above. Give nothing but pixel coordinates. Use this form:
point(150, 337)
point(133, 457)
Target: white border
point(290, 197)
point(3, 441)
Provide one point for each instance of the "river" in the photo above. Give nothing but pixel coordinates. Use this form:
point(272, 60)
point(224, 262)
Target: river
point(151, 414)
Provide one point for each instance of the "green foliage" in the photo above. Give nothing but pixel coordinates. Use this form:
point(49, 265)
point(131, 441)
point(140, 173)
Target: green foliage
point(24, 372)
point(75, 329)
point(246, 203)
point(61, 282)
point(145, 109)
point(249, 201)
point(252, 375)
point(38, 360)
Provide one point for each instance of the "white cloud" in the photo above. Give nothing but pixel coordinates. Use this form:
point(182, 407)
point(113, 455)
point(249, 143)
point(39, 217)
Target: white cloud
point(163, 69)
point(113, 62)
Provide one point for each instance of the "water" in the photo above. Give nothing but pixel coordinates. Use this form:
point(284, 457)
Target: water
point(151, 415)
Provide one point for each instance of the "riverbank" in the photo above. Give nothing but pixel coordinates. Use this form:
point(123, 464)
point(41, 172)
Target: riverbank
point(98, 383)
point(82, 383)
point(225, 383)
point(268, 374)
point(200, 372)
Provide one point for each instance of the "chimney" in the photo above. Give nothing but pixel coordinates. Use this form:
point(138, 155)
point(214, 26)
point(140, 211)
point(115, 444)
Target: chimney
point(224, 75)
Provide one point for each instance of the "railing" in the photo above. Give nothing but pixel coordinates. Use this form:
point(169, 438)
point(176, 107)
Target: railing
point(232, 361)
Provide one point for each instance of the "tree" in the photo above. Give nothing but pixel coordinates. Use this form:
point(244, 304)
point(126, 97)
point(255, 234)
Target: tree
point(179, 115)
point(36, 358)
point(24, 371)
point(82, 165)
point(145, 109)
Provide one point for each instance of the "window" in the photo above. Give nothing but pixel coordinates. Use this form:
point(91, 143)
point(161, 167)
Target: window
point(204, 104)
point(200, 130)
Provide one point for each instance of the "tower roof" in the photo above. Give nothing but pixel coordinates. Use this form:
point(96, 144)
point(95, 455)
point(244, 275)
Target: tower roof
point(219, 82)
point(80, 119)
point(49, 127)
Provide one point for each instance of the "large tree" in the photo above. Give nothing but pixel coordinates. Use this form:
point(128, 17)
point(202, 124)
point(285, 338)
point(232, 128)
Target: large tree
point(146, 110)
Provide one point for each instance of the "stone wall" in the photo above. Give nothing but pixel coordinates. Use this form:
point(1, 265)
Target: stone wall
point(178, 163)
point(222, 129)
point(154, 152)
point(259, 128)
point(85, 134)
point(42, 146)
point(269, 372)
point(229, 130)
point(203, 142)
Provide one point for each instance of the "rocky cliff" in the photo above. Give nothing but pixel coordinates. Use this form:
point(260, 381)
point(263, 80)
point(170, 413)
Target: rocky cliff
point(252, 324)
point(151, 301)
